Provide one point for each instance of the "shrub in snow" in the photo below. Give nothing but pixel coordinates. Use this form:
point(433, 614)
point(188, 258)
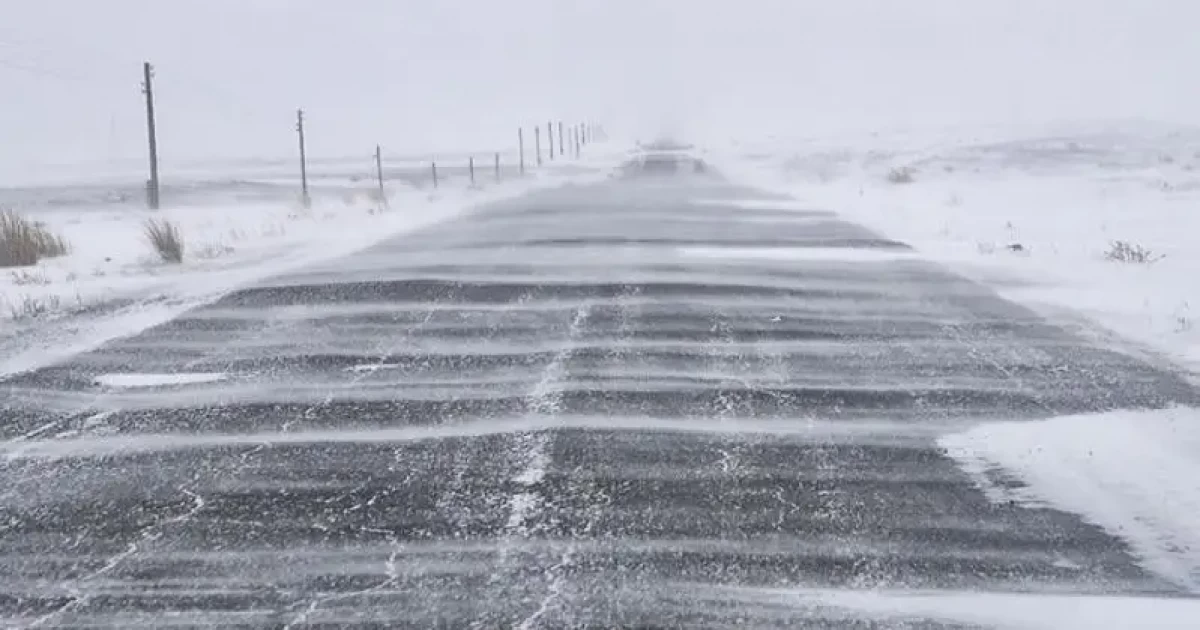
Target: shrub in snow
point(1126, 252)
point(902, 175)
point(164, 237)
point(24, 242)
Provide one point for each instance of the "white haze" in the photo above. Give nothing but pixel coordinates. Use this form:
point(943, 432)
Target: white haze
point(417, 75)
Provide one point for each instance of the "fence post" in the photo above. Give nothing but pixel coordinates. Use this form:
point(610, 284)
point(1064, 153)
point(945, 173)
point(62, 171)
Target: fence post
point(537, 143)
point(550, 137)
point(152, 188)
point(304, 197)
point(379, 175)
point(497, 166)
point(471, 168)
point(435, 182)
point(562, 150)
point(521, 151)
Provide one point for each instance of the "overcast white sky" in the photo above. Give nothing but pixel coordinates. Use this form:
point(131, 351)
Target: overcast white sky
point(416, 74)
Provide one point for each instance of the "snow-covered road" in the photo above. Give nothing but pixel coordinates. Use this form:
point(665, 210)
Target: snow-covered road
point(609, 405)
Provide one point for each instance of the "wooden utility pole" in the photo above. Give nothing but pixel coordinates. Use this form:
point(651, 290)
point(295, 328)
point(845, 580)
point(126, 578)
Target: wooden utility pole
point(152, 189)
point(550, 137)
point(379, 175)
point(304, 197)
point(435, 182)
point(562, 150)
point(471, 168)
point(521, 151)
point(497, 166)
point(537, 143)
point(578, 143)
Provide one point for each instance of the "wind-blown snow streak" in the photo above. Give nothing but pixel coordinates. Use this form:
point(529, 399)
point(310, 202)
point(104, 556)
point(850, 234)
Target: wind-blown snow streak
point(858, 432)
point(135, 380)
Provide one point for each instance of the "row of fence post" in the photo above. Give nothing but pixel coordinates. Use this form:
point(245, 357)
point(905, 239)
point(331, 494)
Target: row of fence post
point(580, 135)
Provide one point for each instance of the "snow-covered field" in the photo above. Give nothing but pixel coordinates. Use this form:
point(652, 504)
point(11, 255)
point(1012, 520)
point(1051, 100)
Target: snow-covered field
point(239, 223)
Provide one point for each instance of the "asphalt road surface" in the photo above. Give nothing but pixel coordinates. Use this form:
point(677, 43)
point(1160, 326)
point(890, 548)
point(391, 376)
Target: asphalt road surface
point(583, 408)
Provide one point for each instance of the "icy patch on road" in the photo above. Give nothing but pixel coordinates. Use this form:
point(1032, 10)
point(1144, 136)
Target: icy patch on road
point(126, 381)
point(847, 254)
point(1004, 611)
point(1134, 473)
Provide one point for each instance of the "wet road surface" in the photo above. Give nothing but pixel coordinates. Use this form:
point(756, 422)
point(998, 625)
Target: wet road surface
point(589, 407)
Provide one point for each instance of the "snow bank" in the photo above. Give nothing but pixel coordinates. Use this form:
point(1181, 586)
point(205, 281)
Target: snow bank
point(1134, 473)
point(1063, 194)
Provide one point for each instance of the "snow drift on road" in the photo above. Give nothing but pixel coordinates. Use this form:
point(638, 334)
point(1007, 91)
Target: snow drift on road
point(1134, 473)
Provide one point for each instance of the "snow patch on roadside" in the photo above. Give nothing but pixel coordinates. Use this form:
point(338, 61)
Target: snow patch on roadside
point(1134, 473)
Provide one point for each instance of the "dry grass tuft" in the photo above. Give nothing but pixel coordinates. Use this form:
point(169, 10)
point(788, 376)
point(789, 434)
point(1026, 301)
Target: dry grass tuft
point(24, 242)
point(165, 239)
